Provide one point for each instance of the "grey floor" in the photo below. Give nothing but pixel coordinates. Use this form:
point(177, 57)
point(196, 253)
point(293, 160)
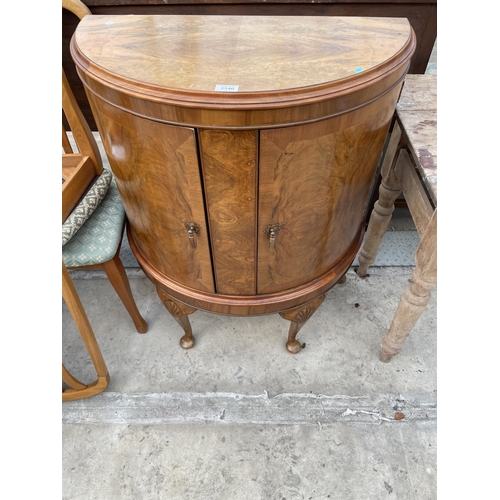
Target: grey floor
point(237, 416)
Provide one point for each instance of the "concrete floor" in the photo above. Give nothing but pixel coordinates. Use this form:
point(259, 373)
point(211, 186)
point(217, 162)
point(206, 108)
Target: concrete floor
point(237, 416)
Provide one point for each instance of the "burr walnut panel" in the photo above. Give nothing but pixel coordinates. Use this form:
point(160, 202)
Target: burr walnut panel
point(156, 171)
point(195, 53)
point(230, 190)
point(283, 77)
point(249, 200)
point(314, 183)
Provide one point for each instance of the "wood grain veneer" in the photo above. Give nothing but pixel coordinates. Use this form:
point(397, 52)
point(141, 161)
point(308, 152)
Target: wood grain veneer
point(422, 15)
point(231, 193)
point(298, 100)
point(314, 182)
point(294, 149)
point(156, 172)
point(195, 53)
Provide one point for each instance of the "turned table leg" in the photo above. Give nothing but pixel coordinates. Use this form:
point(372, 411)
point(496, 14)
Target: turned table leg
point(389, 190)
point(416, 296)
point(299, 317)
point(180, 313)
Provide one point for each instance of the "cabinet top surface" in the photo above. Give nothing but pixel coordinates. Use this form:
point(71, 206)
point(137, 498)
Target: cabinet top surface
point(250, 53)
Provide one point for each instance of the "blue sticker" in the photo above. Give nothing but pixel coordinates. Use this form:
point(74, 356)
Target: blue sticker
point(358, 70)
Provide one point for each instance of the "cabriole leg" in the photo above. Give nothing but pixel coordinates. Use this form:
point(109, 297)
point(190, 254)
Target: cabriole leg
point(299, 317)
point(180, 313)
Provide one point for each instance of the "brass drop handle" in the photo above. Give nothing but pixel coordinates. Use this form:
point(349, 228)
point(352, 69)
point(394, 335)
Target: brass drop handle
point(192, 229)
point(272, 230)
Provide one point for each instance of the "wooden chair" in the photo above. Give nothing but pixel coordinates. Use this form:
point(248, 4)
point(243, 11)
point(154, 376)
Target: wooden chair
point(78, 390)
point(96, 244)
point(92, 248)
point(76, 7)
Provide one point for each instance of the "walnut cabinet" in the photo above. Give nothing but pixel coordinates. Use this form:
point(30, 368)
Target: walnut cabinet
point(244, 149)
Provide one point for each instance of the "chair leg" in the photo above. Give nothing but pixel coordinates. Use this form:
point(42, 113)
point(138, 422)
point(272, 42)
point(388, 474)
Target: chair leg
point(68, 379)
point(75, 307)
point(118, 278)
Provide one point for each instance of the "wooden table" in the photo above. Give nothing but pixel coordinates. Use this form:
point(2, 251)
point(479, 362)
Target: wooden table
point(410, 166)
point(244, 152)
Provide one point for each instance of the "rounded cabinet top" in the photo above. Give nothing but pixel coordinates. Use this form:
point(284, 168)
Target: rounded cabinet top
point(239, 62)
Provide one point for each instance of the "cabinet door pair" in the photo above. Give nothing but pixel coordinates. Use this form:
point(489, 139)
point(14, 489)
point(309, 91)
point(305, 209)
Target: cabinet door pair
point(244, 212)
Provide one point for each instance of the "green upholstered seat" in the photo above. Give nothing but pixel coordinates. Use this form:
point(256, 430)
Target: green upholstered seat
point(98, 239)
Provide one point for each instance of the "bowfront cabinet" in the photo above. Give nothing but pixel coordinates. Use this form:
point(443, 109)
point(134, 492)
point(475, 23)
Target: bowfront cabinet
point(244, 149)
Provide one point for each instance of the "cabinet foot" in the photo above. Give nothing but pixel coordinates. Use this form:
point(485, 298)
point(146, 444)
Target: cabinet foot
point(298, 318)
point(180, 313)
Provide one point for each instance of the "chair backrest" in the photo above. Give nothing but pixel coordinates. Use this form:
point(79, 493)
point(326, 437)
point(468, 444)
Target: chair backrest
point(77, 7)
point(81, 167)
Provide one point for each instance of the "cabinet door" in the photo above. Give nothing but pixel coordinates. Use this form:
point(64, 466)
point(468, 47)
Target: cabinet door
point(157, 173)
point(314, 183)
